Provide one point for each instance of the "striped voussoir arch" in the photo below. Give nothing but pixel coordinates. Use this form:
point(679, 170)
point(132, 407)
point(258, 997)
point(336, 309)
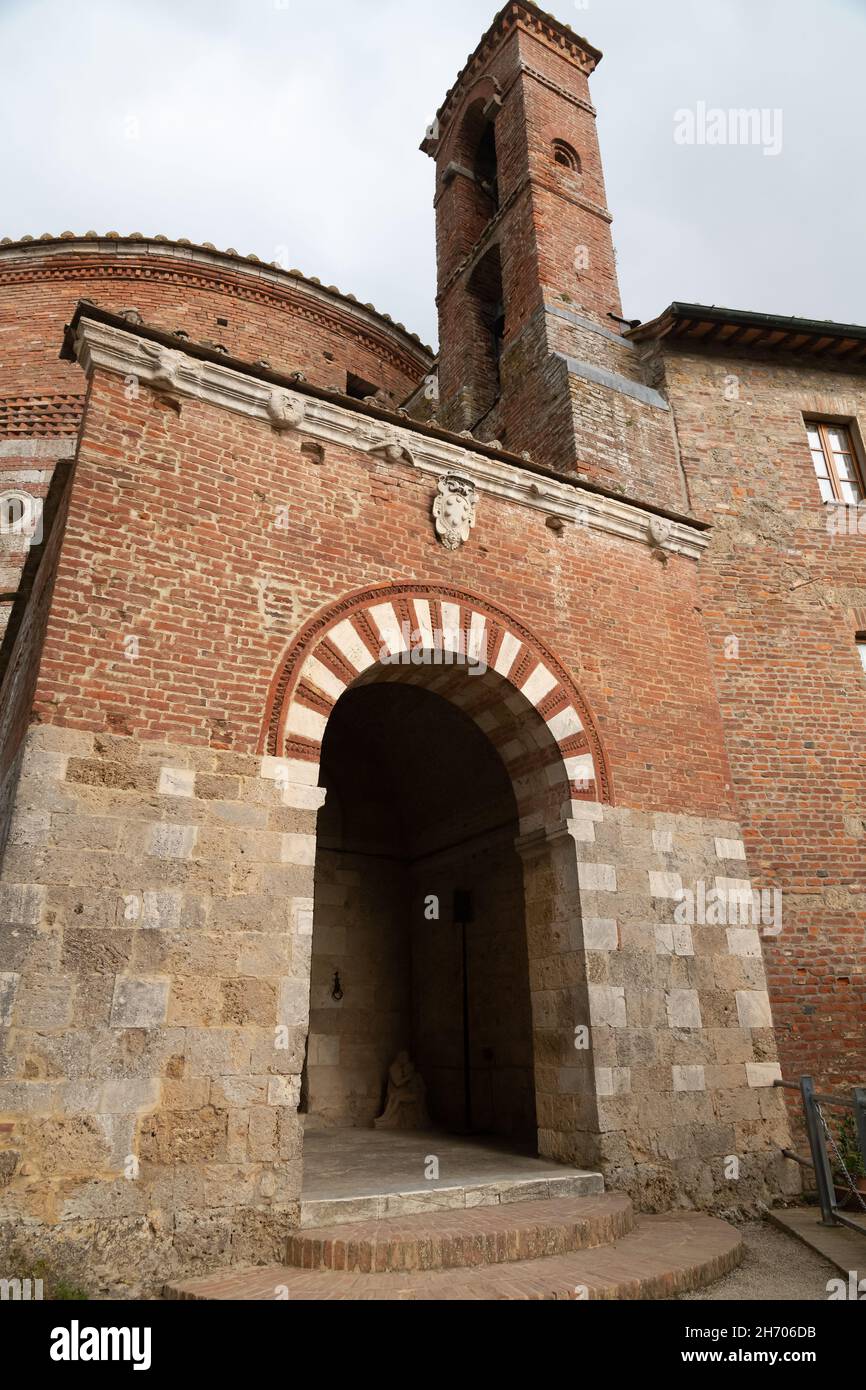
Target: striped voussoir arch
point(466, 650)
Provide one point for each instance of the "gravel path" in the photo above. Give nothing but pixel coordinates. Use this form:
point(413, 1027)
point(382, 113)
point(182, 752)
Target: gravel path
point(775, 1266)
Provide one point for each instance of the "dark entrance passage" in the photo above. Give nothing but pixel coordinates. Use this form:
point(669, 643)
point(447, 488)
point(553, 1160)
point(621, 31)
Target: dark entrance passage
point(420, 819)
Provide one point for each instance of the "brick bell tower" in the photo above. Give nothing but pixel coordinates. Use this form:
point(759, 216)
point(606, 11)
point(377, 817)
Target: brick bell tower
point(526, 268)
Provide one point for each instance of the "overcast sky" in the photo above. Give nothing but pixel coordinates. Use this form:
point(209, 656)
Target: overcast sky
point(291, 128)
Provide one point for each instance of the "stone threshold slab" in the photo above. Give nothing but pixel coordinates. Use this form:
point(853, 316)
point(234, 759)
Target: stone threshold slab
point(379, 1206)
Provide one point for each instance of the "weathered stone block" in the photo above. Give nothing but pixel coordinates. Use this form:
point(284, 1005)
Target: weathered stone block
point(30, 828)
point(763, 1073)
point(262, 1134)
point(612, 1081)
point(674, 939)
point(44, 1001)
point(21, 904)
point(689, 1078)
point(195, 1001)
point(168, 841)
point(596, 878)
point(184, 1136)
point(247, 1001)
point(600, 934)
point(683, 1008)
point(264, 954)
point(139, 1002)
point(664, 884)
point(744, 941)
point(753, 1009)
point(607, 1006)
point(176, 781)
point(299, 849)
point(127, 1096)
point(8, 989)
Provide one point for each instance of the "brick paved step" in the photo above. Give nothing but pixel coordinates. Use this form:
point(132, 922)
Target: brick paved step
point(467, 1238)
point(664, 1256)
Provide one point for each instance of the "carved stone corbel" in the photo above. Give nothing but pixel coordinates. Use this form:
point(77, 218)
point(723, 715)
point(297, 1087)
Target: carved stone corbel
point(165, 373)
point(659, 535)
point(284, 412)
point(390, 445)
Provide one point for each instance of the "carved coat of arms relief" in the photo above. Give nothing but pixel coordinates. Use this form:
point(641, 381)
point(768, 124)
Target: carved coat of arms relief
point(454, 510)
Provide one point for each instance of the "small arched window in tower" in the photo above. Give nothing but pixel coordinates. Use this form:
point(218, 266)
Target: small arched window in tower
point(565, 155)
point(475, 150)
point(486, 172)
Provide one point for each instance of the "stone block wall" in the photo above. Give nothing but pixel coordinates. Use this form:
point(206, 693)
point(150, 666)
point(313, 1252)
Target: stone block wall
point(361, 932)
point(655, 1053)
point(156, 972)
point(155, 928)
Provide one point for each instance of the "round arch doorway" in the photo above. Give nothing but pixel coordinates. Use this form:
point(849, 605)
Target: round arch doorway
point(492, 670)
point(419, 938)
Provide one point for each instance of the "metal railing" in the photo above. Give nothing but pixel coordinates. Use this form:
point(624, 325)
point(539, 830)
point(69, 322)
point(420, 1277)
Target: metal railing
point(821, 1141)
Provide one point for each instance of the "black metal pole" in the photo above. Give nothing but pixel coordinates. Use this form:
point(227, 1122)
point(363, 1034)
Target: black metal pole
point(463, 914)
point(467, 1074)
point(820, 1161)
point(860, 1114)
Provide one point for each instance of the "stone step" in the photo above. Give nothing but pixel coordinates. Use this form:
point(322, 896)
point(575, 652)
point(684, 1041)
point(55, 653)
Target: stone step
point(464, 1239)
point(382, 1206)
point(662, 1257)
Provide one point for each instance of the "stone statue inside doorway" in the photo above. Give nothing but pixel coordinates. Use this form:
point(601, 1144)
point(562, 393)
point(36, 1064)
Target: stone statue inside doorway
point(405, 1102)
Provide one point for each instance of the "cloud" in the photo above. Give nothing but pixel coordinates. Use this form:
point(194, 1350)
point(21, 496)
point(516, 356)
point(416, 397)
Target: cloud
point(293, 131)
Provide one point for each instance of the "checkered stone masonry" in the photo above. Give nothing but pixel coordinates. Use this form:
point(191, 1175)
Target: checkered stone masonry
point(683, 1048)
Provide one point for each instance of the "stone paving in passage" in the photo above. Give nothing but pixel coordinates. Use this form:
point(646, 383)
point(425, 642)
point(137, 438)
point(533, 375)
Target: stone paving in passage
point(351, 1162)
point(361, 1175)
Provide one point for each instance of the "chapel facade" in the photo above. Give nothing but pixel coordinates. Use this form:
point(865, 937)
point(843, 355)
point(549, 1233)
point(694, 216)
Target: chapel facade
point(503, 707)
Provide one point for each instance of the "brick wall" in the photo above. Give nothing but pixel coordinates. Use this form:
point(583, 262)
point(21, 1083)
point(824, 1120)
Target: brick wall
point(783, 597)
point(159, 888)
point(294, 324)
point(226, 537)
point(573, 391)
point(284, 319)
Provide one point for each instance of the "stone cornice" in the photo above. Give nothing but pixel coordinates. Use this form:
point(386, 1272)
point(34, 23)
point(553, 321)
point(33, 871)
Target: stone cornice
point(179, 374)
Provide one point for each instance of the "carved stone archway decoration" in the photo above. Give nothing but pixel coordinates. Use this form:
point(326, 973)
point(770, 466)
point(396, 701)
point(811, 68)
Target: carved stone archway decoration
point(368, 633)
